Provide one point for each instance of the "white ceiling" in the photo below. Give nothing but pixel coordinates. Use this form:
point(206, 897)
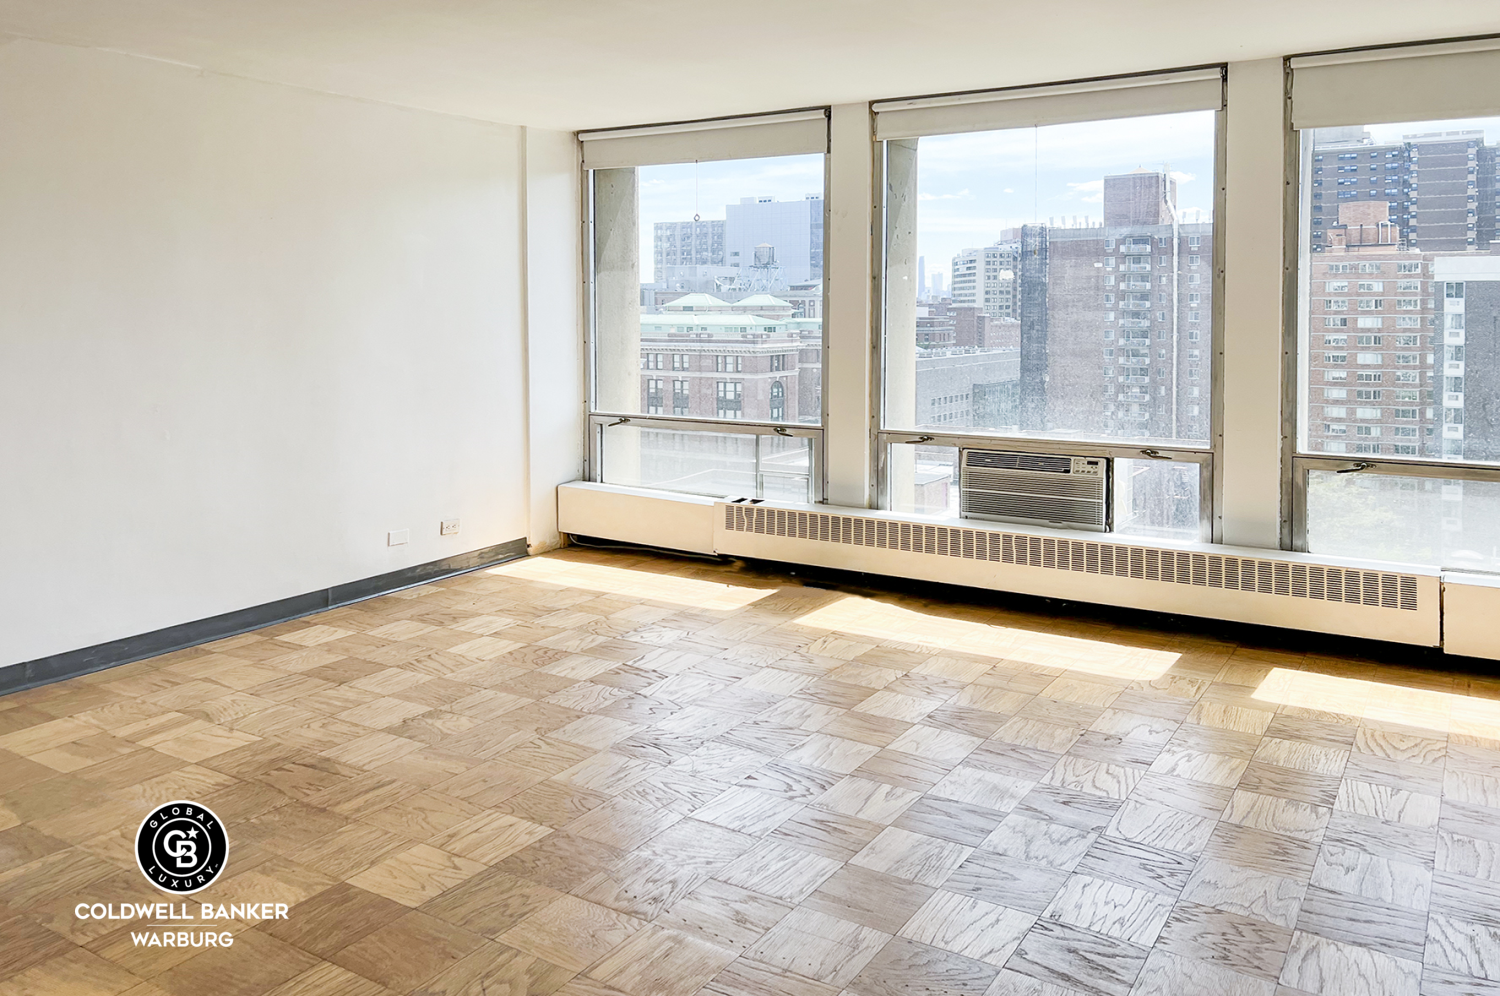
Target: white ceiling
point(590, 63)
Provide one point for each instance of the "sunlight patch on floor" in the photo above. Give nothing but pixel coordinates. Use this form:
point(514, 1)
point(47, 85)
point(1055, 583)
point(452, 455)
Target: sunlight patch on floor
point(894, 624)
point(1425, 708)
point(689, 592)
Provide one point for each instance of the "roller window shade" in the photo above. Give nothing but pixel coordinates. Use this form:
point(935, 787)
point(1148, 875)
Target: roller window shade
point(1164, 93)
point(791, 134)
point(1420, 83)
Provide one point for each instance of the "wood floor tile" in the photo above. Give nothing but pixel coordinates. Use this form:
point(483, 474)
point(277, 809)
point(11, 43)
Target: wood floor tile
point(1243, 944)
point(335, 918)
point(1345, 869)
point(779, 870)
point(1003, 881)
point(724, 915)
point(1040, 842)
point(571, 933)
point(1284, 816)
point(905, 967)
point(1136, 865)
point(1318, 965)
point(872, 899)
point(969, 926)
point(658, 961)
point(403, 954)
point(415, 875)
point(490, 903)
point(817, 946)
point(1110, 908)
point(1167, 974)
point(1272, 898)
point(912, 856)
point(1341, 916)
point(1077, 959)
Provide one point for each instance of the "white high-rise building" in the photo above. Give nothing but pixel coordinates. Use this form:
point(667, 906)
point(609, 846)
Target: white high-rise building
point(794, 229)
point(985, 279)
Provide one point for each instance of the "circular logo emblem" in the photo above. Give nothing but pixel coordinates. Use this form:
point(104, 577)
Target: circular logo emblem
point(181, 847)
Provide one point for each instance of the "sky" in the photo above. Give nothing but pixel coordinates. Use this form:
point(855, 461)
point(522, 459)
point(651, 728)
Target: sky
point(972, 187)
point(1387, 133)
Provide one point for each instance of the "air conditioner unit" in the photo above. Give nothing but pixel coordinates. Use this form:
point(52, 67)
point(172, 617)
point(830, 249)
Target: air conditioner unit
point(1042, 488)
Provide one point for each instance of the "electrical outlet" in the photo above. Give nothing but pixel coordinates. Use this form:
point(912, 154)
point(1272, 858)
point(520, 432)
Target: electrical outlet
point(398, 537)
point(449, 527)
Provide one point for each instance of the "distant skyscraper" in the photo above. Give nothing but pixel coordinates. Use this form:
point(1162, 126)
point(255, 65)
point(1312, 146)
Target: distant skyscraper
point(985, 279)
point(686, 243)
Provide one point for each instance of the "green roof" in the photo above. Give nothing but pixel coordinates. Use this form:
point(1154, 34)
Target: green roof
point(695, 301)
point(762, 300)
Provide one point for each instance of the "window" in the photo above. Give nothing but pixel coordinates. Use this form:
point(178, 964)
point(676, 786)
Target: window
point(707, 246)
point(1405, 509)
point(730, 399)
point(1046, 382)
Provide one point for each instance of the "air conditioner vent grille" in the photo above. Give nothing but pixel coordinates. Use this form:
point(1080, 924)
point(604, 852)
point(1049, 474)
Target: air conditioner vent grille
point(1377, 589)
point(1018, 486)
point(1035, 462)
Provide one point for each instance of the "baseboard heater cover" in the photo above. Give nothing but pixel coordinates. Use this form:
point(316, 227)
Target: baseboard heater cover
point(72, 663)
point(1297, 591)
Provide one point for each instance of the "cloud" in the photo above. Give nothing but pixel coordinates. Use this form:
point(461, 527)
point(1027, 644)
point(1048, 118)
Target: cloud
point(961, 195)
point(1007, 190)
point(1094, 189)
point(1182, 177)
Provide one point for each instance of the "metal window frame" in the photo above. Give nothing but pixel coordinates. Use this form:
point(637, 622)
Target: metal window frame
point(595, 419)
point(1296, 463)
point(1209, 458)
point(597, 422)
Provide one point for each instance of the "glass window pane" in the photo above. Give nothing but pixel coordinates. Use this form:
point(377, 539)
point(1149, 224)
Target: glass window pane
point(1053, 281)
point(1399, 291)
point(1157, 498)
point(1420, 520)
point(708, 289)
point(709, 463)
point(923, 479)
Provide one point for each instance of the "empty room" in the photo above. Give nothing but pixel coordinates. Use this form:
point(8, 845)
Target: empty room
point(833, 499)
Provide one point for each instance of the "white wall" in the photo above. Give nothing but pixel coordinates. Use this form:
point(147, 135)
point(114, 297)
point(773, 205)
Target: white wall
point(246, 329)
point(554, 293)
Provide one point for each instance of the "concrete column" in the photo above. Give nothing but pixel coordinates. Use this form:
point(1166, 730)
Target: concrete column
point(846, 254)
point(617, 316)
point(901, 315)
point(1254, 176)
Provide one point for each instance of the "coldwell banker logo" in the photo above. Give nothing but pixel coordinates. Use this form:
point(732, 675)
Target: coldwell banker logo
point(181, 847)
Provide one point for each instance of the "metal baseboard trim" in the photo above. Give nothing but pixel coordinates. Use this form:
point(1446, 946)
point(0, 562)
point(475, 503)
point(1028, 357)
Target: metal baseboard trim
point(87, 660)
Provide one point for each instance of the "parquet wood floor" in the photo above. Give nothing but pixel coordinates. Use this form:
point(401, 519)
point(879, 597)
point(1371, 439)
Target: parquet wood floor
point(603, 774)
